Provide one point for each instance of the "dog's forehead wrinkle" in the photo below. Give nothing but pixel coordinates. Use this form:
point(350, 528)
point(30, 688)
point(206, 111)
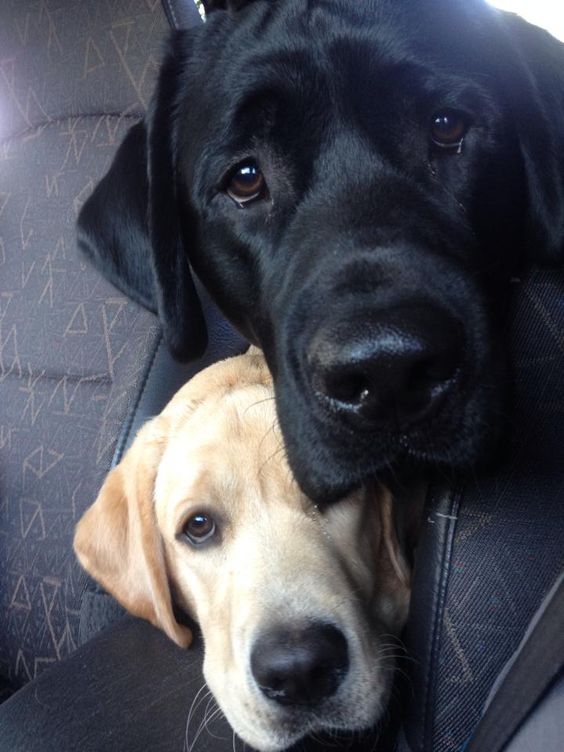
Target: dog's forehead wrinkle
point(272, 97)
point(348, 161)
point(273, 67)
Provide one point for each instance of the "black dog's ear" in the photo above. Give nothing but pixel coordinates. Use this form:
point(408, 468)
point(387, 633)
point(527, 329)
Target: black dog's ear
point(129, 229)
point(232, 5)
point(112, 224)
point(178, 305)
point(536, 87)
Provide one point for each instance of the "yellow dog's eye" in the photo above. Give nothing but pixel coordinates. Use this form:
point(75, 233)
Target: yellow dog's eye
point(246, 184)
point(199, 528)
point(448, 129)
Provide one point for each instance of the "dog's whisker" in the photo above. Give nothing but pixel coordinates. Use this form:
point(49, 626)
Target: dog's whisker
point(196, 736)
point(395, 639)
point(397, 658)
point(273, 429)
point(257, 403)
point(397, 647)
point(235, 741)
point(279, 450)
point(197, 701)
point(215, 714)
point(209, 714)
point(391, 655)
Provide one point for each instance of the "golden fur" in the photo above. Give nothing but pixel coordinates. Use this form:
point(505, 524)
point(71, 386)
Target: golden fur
point(216, 448)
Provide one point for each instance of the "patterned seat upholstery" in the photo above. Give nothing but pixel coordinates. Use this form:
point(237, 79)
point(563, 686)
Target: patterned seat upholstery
point(493, 547)
point(73, 350)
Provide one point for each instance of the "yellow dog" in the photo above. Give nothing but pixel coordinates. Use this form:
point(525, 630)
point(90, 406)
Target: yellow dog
point(295, 602)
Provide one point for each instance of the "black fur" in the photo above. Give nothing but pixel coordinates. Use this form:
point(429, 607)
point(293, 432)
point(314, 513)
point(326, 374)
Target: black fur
point(333, 98)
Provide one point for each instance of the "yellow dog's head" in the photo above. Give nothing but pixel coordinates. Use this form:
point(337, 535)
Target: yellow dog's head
point(295, 603)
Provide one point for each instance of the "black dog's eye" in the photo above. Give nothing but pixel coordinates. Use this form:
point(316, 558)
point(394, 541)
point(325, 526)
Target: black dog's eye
point(448, 129)
point(199, 528)
point(246, 184)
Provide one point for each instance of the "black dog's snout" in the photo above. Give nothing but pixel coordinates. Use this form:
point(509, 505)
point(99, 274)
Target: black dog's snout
point(300, 666)
point(392, 369)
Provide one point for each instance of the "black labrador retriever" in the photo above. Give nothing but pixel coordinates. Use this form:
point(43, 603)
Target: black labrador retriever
point(355, 183)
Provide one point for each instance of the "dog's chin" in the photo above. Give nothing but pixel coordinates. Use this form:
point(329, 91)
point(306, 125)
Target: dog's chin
point(277, 743)
point(357, 707)
point(282, 735)
point(296, 727)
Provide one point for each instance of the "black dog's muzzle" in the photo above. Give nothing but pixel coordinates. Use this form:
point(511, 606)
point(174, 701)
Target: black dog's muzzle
point(386, 368)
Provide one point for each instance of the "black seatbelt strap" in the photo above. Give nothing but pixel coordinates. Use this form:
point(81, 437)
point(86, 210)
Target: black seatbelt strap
point(181, 14)
point(535, 666)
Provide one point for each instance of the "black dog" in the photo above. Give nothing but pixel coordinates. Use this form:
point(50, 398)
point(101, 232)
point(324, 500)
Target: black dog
point(355, 183)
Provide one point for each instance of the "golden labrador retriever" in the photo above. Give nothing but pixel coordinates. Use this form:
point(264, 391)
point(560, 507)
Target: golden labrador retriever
point(295, 602)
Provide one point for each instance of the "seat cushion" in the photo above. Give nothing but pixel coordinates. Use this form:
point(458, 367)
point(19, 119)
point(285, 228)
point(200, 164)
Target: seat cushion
point(73, 351)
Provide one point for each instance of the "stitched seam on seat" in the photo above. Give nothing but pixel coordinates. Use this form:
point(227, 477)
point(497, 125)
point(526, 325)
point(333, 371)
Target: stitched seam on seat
point(173, 14)
point(124, 435)
point(49, 375)
point(436, 635)
point(61, 119)
point(86, 579)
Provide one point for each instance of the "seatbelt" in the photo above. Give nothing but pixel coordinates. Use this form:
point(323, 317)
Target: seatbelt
point(536, 665)
point(181, 14)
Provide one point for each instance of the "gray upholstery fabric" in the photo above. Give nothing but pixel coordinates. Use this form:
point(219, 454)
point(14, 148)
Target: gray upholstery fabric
point(60, 59)
point(73, 350)
point(508, 547)
point(493, 547)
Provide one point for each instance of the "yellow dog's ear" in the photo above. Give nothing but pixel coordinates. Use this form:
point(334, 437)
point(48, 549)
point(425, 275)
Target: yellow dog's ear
point(394, 573)
point(118, 542)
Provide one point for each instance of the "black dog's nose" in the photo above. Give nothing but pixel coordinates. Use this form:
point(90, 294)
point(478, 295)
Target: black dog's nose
point(391, 370)
point(300, 666)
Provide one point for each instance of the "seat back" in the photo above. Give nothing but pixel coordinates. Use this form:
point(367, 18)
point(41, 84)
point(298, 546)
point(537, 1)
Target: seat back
point(76, 355)
point(491, 549)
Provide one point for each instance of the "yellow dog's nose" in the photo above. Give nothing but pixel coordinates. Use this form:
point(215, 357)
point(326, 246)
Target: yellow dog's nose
point(300, 666)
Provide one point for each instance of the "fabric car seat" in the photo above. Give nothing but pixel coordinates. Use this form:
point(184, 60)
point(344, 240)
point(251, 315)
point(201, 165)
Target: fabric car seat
point(492, 547)
point(76, 356)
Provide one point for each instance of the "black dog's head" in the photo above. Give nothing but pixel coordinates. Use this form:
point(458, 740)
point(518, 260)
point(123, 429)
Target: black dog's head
point(355, 183)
